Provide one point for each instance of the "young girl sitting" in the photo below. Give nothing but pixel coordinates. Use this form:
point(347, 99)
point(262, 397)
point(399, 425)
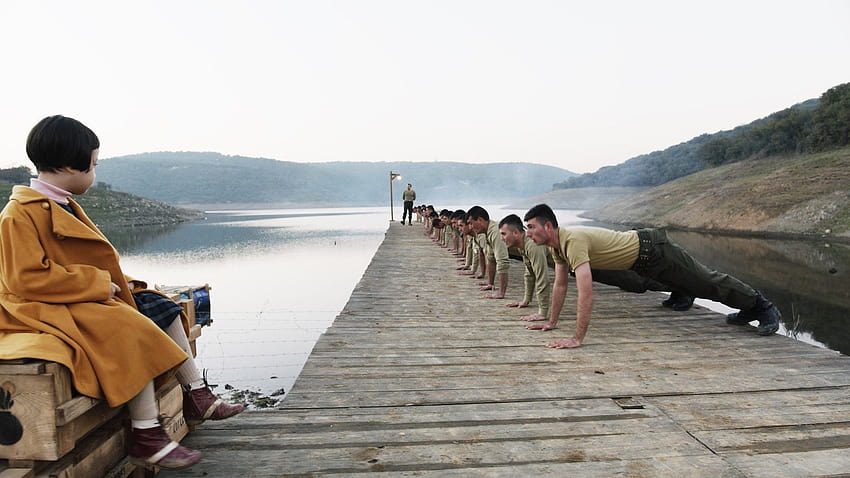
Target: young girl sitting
point(64, 298)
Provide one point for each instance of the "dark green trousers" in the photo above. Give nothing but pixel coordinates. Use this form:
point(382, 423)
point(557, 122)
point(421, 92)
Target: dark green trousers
point(628, 280)
point(664, 261)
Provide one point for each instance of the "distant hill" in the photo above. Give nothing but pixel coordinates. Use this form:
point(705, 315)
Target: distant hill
point(205, 178)
point(577, 198)
point(808, 127)
point(108, 208)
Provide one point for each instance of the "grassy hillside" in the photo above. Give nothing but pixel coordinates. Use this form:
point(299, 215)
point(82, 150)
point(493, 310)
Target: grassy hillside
point(806, 195)
point(108, 208)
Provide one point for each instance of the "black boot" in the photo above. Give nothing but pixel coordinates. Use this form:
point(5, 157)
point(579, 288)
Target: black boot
point(678, 301)
point(764, 311)
point(768, 316)
point(739, 318)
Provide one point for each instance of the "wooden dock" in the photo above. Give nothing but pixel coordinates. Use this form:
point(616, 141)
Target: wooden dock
point(421, 376)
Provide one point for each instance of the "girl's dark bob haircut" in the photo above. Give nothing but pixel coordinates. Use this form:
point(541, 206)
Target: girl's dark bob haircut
point(58, 142)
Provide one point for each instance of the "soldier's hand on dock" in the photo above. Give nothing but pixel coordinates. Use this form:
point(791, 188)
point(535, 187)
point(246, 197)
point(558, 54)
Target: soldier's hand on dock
point(564, 344)
point(533, 318)
point(517, 304)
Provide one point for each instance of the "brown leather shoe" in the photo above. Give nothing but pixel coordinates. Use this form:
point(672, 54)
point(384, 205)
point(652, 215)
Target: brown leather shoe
point(202, 404)
point(153, 447)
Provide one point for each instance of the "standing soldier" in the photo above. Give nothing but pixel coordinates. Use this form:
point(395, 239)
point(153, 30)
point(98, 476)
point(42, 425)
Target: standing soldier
point(408, 196)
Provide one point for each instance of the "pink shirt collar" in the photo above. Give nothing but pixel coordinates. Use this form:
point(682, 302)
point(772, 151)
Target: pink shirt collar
point(52, 192)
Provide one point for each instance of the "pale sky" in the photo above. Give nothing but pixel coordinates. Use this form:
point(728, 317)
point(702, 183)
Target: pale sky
point(573, 84)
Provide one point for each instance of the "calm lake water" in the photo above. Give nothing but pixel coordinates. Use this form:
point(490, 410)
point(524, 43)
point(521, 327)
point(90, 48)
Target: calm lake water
point(279, 278)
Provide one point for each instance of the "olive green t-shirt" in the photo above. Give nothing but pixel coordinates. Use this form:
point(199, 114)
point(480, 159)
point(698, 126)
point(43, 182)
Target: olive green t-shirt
point(536, 259)
point(497, 251)
point(603, 248)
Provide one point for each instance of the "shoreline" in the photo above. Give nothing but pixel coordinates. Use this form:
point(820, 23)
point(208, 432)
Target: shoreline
point(792, 236)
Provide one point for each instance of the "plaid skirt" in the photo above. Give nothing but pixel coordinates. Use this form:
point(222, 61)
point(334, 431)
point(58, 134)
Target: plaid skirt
point(161, 310)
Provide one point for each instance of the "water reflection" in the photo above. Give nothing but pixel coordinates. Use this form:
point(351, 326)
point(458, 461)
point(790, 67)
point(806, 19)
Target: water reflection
point(129, 238)
point(233, 233)
point(808, 281)
point(278, 277)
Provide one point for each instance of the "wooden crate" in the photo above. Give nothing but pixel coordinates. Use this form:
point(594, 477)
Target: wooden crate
point(184, 295)
point(103, 451)
point(179, 293)
point(52, 419)
point(169, 399)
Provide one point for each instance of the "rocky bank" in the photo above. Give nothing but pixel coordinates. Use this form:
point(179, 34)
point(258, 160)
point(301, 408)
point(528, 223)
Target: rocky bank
point(805, 196)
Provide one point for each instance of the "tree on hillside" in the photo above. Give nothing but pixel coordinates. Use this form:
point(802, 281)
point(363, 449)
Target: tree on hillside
point(645, 170)
point(18, 175)
point(786, 132)
point(832, 119)
point(791, 131)
point(812, 126)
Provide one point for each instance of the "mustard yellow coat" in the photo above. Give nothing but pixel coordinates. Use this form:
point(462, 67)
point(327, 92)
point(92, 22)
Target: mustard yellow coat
point(55, 275)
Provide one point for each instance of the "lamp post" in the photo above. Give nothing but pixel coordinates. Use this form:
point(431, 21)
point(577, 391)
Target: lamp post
point(393, 177)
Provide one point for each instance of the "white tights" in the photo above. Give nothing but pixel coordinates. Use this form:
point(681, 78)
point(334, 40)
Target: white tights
point(143, 409)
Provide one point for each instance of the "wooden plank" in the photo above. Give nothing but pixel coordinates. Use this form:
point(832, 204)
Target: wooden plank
point(17, 473)
point(270, 465)
point(427, 434)
point(63, 388)
point(748, 411)
point(125, 469)
point(194, 332)
point(825, 463)
point(524, 385)
point(780, 438)
point(75, 408)
point(94, 456)
point(410, 425)
point(271, 458)
point(68, 435)
point(21, 367)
